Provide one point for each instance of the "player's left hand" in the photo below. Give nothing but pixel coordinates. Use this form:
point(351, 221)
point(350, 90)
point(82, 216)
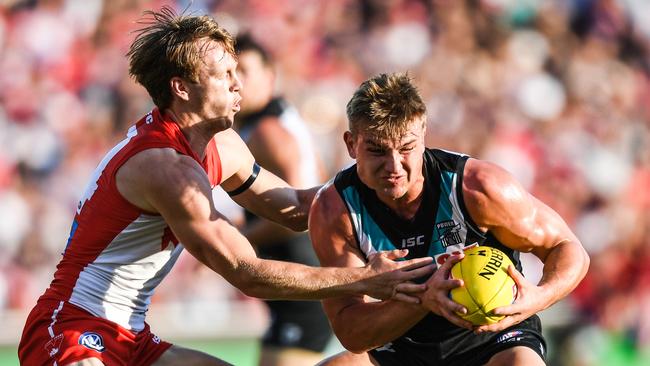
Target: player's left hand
point(390, 278)
point(529, 301)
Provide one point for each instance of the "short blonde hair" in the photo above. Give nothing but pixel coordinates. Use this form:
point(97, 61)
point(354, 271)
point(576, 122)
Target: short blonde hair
point(386, 105)
point(172, 45)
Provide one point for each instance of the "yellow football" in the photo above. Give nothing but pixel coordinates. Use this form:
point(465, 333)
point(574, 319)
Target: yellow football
point(488, 285)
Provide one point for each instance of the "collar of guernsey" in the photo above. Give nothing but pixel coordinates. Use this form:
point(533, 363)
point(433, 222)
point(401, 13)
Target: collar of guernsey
point(212, 161)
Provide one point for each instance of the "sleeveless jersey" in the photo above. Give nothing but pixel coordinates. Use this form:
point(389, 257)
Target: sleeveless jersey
point(117, 254)
point(442, 226)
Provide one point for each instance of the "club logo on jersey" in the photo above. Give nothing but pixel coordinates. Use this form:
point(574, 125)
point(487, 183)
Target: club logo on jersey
point(155, 339)
point(448, 233)
point(441, 258)
point(92, 341)
point(54, 345)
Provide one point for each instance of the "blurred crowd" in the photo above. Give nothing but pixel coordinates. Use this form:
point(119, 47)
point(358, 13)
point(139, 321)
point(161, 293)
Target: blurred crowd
point(556, 91)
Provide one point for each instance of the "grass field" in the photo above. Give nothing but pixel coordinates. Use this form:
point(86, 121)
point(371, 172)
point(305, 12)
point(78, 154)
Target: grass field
point(240, 352)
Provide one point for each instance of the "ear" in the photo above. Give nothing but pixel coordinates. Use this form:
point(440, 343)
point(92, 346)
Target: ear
point(179, 88)
point(350, 143)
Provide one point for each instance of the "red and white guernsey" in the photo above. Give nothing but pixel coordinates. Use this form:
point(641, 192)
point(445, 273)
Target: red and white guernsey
point(117, 253)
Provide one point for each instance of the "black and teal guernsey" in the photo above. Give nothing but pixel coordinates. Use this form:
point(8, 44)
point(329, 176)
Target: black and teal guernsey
point(440, 227)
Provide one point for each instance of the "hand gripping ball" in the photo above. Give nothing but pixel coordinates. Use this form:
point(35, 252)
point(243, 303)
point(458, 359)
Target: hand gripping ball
point(488, 285)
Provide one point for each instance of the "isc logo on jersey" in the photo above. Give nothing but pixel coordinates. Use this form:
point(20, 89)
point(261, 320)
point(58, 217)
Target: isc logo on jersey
point(92, 341)
point(413, 241)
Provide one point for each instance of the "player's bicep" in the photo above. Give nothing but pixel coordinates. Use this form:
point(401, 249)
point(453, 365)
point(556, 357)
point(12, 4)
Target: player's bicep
point(549, 230)
point(500, 204)
point(237, 162)
point(331, 233)
point(180, 191)
point(269, 197)
point(259, 190)
point(330, 230)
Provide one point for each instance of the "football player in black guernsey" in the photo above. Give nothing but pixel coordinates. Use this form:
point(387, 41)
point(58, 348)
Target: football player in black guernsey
point(402, 195)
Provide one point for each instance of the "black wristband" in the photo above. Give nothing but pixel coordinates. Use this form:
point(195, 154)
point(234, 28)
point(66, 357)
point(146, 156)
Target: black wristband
point(247, 183)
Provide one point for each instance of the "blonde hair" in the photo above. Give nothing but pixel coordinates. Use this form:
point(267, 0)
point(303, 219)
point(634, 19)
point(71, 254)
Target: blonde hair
point(385, 105)
point(172, 45)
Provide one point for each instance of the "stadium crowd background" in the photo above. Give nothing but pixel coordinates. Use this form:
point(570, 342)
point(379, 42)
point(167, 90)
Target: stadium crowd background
point(558, 92)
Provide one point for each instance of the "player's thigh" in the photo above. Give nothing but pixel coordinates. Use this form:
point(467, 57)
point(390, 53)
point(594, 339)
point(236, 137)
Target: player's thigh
point(347, 358)
point(177, 355)
point(289, 356)
point(516, 356)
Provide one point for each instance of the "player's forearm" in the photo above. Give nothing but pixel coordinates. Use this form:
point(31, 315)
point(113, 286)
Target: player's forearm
point(564, 268)
point(269, 279)
point(365, 326)
point(297, 203)
point(272, 198)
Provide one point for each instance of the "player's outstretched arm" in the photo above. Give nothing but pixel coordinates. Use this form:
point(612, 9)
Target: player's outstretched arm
point(498, 203)
point(268, 196)
point(160, 180)
point(359, 322)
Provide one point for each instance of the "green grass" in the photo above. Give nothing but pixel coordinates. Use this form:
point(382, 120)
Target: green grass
point(8, 356)
point(240, 352)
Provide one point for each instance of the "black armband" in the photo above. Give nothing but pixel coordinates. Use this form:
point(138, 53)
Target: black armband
point(247, 183)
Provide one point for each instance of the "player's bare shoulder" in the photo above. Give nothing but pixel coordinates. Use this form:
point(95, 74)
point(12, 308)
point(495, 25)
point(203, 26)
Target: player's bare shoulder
point(235, 158)
point(328, 206)
point(329, 217)
point(153, 172)
point(492, 195)
point(484, 177)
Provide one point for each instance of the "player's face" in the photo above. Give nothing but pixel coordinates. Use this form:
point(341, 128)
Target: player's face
point(391, 167)
point(257, 80)
point(216, 95)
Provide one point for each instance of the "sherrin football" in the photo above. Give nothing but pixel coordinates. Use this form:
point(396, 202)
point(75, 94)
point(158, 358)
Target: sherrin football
point(488, 285)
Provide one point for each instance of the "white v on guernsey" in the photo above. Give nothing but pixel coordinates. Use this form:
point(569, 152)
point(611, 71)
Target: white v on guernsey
point(117, 253)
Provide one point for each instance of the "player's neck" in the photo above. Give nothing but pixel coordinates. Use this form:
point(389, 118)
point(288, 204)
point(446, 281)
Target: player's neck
point(198, 132)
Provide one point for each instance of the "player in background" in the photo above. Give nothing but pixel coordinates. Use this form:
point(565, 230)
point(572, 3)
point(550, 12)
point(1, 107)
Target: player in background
point(150, 197)
point(280, 142)
point(400, 194)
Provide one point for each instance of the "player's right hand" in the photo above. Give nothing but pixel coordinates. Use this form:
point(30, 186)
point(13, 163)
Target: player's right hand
point(436, 297)
point(388, 278)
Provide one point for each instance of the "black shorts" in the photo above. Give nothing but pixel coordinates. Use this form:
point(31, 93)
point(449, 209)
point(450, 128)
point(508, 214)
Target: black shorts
point(465, 349)
point(299, 324)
